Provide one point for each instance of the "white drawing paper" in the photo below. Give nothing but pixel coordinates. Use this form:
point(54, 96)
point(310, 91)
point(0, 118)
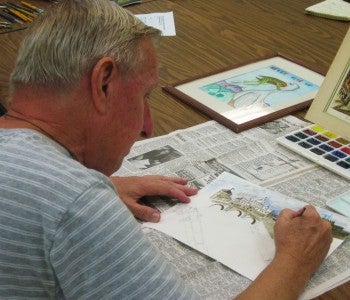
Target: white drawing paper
point(231, 220)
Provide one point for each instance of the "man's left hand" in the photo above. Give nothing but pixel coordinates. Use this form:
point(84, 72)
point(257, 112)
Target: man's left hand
point(132, 189)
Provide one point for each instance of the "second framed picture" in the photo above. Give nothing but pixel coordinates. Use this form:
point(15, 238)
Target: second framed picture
point(248, 95)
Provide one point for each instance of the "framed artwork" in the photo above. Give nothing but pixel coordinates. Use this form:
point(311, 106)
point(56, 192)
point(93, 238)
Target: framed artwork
point(250, 94)
point(331, 107)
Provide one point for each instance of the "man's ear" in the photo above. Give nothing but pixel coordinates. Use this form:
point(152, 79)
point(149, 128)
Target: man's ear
point(103, 73)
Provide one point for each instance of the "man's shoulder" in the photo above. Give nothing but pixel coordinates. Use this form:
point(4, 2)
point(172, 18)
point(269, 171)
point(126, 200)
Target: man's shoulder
point(44, 167)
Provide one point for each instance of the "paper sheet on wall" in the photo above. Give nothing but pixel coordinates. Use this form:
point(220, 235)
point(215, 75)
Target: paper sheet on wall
point(231, 221)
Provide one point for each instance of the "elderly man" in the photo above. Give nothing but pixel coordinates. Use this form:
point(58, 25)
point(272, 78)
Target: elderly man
point(79, 101)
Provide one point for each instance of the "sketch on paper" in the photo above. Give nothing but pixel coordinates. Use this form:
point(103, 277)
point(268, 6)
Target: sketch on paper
point(245, 206)
point(269, 86)
point(231, 220)
point(265, 208)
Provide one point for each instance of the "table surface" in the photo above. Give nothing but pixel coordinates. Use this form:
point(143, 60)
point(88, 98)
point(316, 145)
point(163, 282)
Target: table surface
point(213, 35)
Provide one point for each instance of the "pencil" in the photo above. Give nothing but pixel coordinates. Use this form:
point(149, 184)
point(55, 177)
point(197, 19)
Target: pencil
point(17, 14)
point(11, 19)
point(31, 6)
point(21, 10)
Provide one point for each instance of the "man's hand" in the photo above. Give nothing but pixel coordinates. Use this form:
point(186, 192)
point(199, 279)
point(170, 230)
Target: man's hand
point(302, 242)
point(132, 189)
point(305, 239)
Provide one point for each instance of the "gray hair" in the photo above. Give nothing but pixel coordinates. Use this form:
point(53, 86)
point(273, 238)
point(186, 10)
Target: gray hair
point(69, 39)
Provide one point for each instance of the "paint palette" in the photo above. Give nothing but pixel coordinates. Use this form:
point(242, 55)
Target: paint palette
point(321, 146)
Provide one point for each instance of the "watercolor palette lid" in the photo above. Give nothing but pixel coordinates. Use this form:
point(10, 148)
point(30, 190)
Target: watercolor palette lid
point(331, 106)
point(327, 141)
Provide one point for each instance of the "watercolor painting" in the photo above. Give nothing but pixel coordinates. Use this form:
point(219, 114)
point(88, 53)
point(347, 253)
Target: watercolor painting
point(231, 221)
point(257, 204)
point(247, 95)
point(270, 86)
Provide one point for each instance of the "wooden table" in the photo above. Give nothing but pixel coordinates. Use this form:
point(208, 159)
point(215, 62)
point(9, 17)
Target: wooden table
point(212, 35)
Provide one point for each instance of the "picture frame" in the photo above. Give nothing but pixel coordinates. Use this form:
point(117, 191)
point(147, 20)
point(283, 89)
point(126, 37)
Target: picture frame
point(331, 107)
point(252, 93)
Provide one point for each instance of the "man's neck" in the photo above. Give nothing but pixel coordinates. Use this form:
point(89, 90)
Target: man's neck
point(49, 115)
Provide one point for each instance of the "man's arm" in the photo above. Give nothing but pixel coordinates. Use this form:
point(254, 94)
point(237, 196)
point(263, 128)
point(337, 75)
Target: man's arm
point(132, 189)
point(302, 242)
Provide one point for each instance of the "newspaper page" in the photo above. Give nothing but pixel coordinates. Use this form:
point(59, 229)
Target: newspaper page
point(201, 153)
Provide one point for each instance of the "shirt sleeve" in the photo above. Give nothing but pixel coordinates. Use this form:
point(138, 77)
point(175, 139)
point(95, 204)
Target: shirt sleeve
point(100, 252)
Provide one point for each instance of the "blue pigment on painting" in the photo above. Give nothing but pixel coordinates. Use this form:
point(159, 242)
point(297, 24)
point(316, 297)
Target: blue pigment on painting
point(268, 86)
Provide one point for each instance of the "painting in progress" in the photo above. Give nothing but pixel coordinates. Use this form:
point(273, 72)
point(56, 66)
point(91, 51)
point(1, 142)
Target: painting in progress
point(231, 221)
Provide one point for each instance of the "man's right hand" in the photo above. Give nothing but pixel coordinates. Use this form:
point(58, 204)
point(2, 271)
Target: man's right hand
point(302, 243)
point(304, 239)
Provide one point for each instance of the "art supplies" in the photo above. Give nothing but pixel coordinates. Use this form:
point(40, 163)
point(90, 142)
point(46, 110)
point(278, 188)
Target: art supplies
point(18, 15)
point(321, 146)
point(328, 142)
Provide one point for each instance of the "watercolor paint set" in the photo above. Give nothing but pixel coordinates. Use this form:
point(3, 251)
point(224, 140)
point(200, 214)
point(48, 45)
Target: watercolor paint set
point(321, 146)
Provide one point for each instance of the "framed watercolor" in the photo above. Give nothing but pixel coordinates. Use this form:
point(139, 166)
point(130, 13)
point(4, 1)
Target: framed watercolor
point(331, 107)
point(250, 94)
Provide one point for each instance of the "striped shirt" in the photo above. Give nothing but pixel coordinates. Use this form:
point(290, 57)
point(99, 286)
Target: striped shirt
point(65, 234)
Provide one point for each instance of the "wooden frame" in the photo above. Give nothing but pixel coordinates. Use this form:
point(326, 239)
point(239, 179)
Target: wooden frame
point(331, 107)
point(250, 94)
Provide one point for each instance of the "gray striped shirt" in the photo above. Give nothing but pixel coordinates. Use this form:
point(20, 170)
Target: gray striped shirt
point(65, 234)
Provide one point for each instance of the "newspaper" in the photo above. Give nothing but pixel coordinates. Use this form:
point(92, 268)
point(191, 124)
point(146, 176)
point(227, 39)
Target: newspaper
point(201, 153)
